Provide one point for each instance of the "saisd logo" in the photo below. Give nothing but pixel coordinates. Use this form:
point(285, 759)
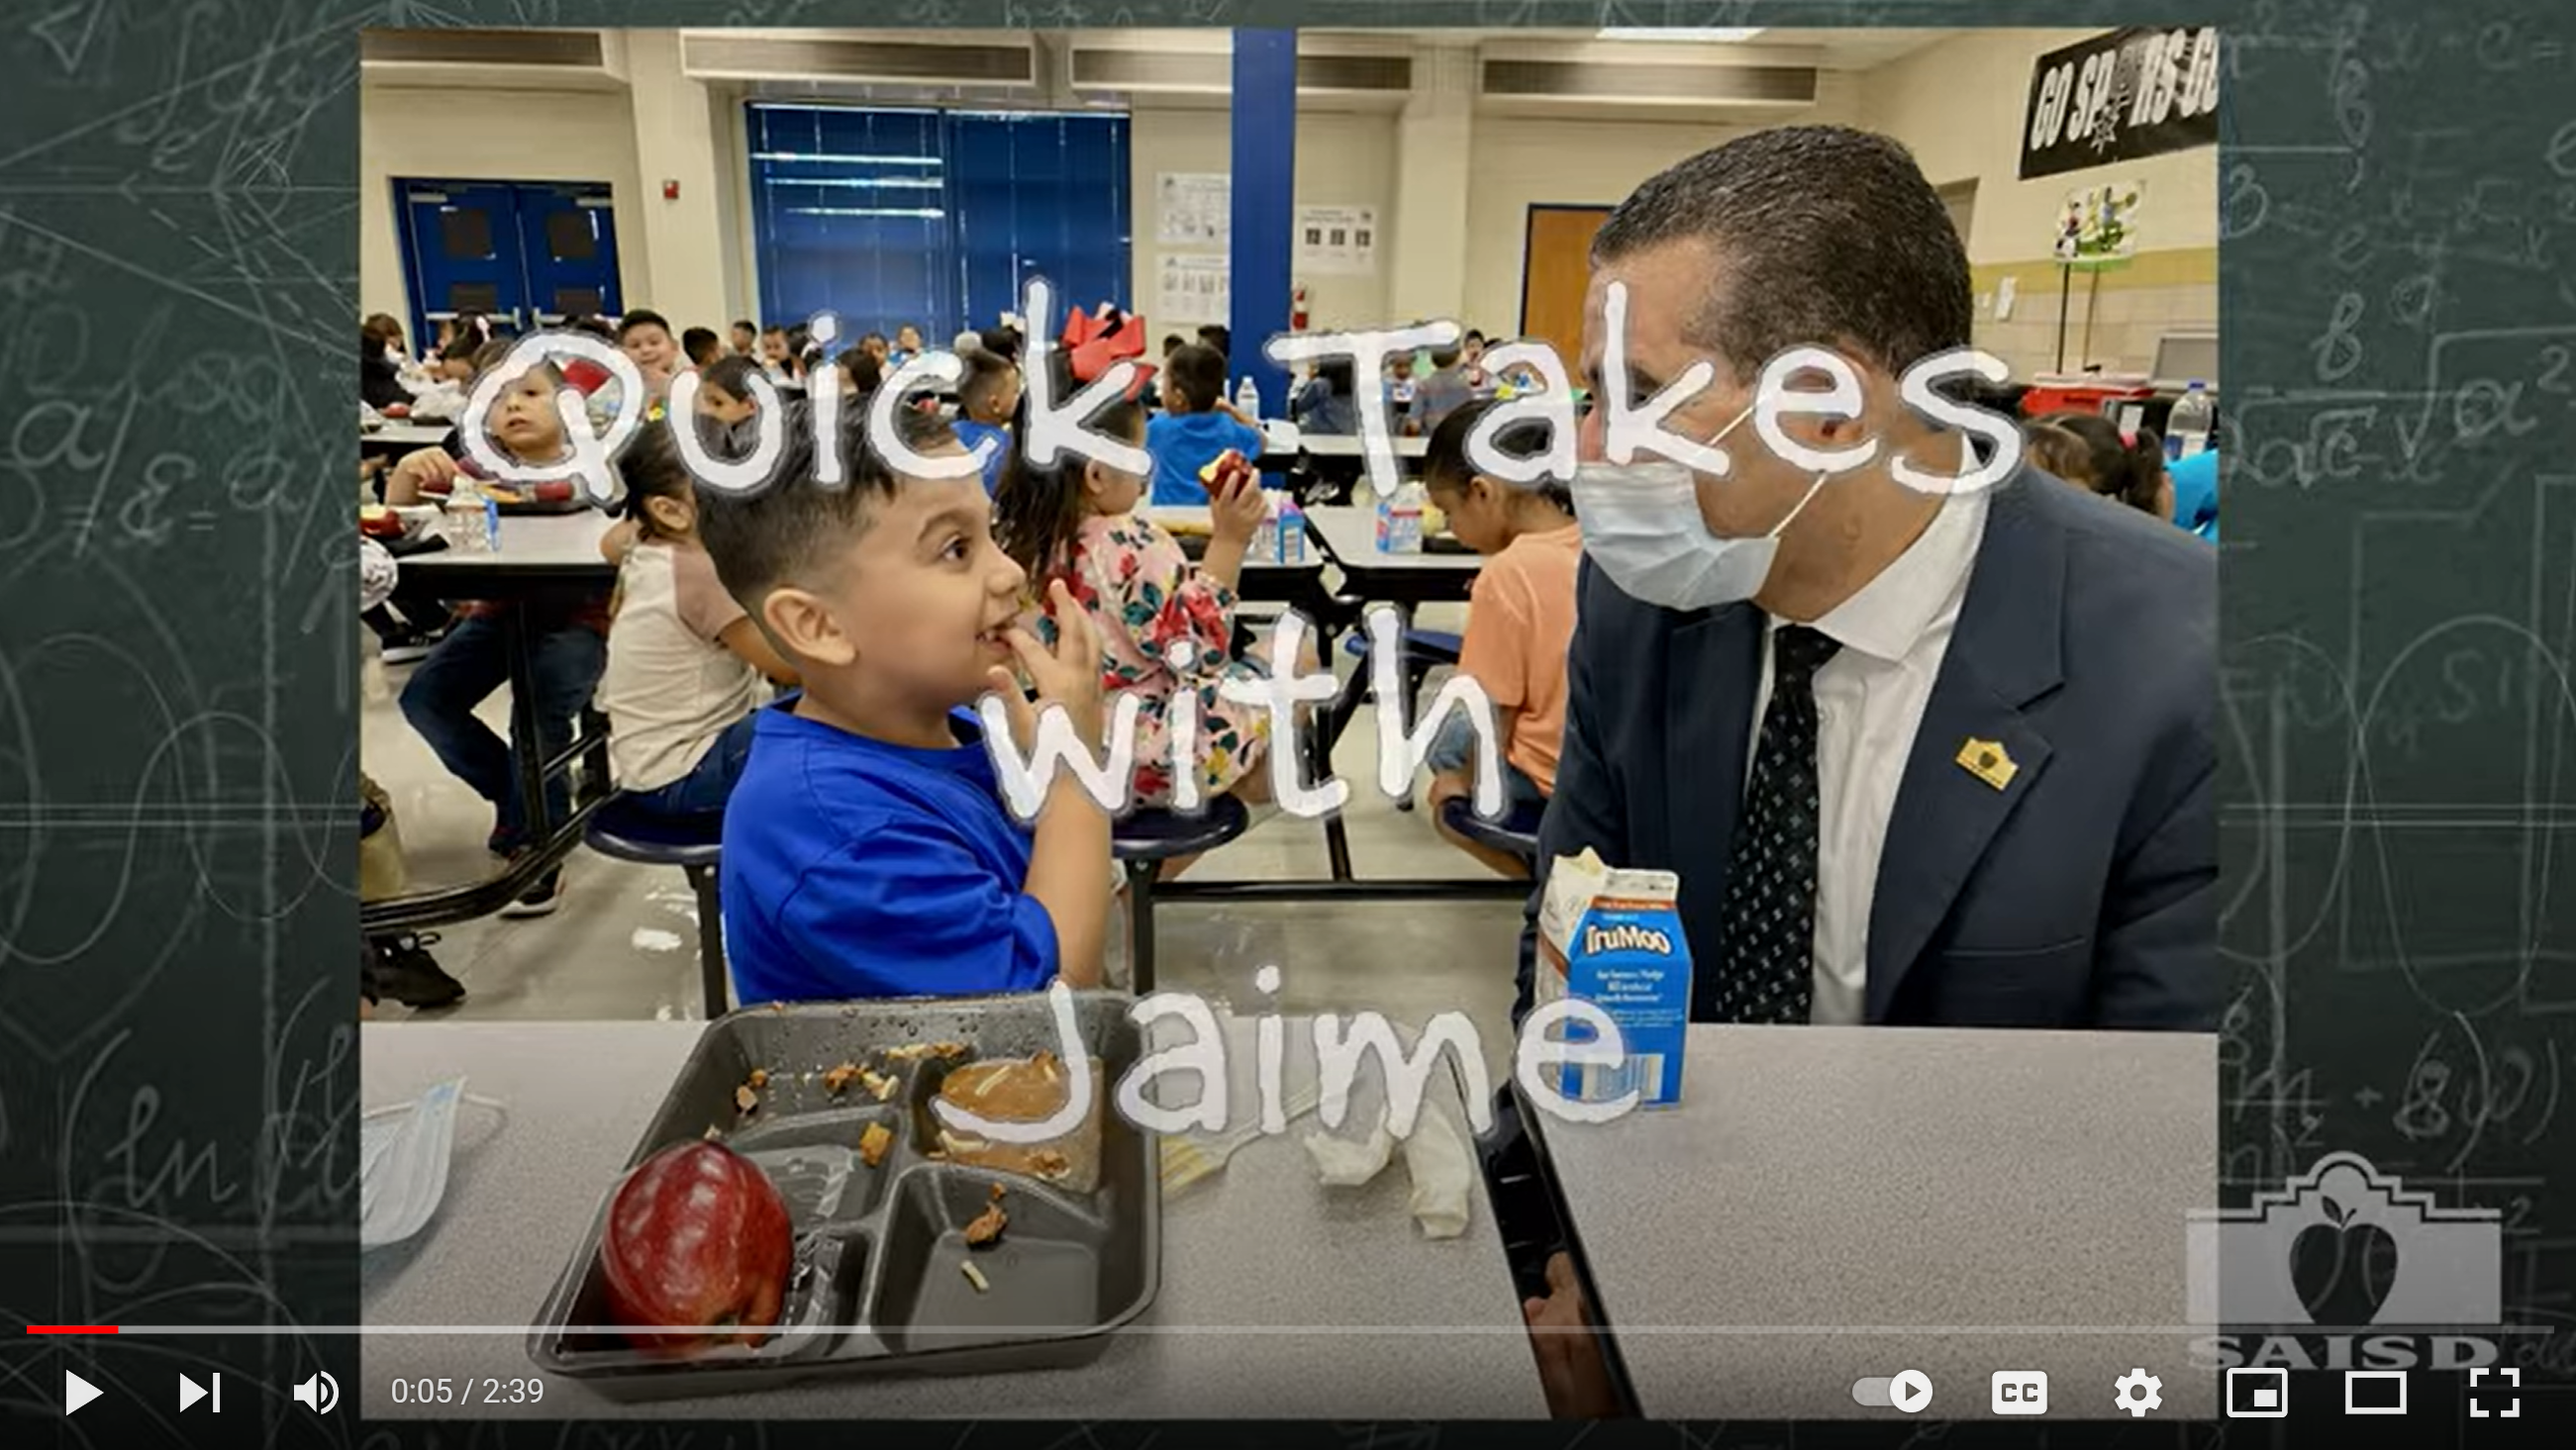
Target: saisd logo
point(2343, 1268)
point(2298, 1276)
point(1627, 936)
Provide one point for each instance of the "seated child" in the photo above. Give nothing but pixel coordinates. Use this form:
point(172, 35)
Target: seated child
point(1076, 522)
point(685, 663)
point(1325, 403)
point(724, 391)
point(1520, 618)
point(1196, 427)
point(647, 342)
point(986, 398)
point(702, 346)
point(867, 850)
point(746, 339)
point(567, 639)
point(2090, 451)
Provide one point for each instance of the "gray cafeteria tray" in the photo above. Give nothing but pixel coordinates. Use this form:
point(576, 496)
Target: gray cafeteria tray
point(876, 1286)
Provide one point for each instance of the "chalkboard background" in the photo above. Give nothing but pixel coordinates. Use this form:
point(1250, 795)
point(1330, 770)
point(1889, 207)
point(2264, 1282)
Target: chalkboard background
point(178, 259)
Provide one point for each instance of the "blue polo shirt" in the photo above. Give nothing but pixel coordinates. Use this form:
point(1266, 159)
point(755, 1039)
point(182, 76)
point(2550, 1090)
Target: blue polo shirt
point(972, 434)
point(1184, 443)
point(2195, 486)
point(854, 868)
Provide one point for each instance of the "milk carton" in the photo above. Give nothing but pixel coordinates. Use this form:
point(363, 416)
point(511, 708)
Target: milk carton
point(1614, 939)
point(1399, 520)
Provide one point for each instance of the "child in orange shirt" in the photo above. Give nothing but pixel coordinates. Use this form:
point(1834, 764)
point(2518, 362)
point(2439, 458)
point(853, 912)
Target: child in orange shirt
point(1520, 619)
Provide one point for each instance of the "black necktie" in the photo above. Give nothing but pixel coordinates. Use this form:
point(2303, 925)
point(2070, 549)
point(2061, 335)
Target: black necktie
point(1766, 973)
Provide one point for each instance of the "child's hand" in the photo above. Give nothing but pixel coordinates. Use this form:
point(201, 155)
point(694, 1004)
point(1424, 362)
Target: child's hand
point(1236, 513)
point(428, 469)
point(1069, 677)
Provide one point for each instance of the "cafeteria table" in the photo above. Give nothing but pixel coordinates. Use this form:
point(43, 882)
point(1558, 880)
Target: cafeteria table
point(1832, 1204)
point(394, 438)
point(1279, 1298)
point(541, 556)
point(1348, 533)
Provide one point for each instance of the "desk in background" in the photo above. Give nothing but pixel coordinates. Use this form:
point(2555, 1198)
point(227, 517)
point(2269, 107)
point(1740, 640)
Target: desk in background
point(541, 556)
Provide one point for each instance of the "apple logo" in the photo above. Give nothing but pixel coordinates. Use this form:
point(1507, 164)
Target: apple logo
point(2343, 1268)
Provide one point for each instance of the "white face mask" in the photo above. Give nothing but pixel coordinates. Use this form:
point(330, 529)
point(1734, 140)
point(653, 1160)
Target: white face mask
point(403, 1154)
point(1641, 523)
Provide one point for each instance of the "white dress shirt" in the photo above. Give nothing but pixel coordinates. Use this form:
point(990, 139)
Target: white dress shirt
point(1869, 703)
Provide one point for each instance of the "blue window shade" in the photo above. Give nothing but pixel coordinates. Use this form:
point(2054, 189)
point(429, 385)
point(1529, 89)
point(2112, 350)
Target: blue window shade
point(933, 218)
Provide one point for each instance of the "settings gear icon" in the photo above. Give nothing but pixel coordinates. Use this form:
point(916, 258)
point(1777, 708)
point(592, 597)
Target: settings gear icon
point(2139, 1392)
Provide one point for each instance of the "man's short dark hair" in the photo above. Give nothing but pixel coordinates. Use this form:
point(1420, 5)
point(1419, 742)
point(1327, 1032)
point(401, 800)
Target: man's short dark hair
point(1821, 235)
point(1195, 375)
point(640, 317)
point(733, 374)
point(791, 529)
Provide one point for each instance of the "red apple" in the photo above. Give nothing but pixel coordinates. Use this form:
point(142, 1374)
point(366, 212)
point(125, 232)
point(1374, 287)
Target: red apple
point(698, 1246)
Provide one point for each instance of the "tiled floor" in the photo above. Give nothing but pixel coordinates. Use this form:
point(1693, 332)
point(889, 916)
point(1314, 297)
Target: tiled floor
point(624, 942)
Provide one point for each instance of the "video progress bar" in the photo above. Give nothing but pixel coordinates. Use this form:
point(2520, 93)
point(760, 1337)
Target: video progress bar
point(1502, 1330)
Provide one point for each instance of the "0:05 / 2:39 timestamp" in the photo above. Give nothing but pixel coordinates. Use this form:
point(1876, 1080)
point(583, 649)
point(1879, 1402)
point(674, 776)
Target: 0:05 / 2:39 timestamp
point(469, 1392)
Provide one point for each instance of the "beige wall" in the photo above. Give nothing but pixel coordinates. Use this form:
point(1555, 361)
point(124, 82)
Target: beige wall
point(451, 135)
point(1342, 160)
point(1958, 106)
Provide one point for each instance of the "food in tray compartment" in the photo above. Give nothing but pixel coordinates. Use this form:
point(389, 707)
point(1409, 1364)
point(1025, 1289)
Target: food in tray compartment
point(874, 1142)
point(745, 1099)
point(975, 1276)
point(988, 1225)
point(759, 1079)
point(697, 1250)
point(837, 1078)
point(1023, 1090)
point(915, 1051)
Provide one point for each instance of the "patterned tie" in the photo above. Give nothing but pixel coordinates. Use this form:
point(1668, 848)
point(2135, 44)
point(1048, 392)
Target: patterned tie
point(1770, 915)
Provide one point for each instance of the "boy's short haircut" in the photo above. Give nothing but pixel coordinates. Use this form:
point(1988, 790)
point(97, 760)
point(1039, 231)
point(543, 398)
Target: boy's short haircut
point(744, 324)
point(1195, 374)
point(733, 374)
point(1446, 466)
point(792, 530)
point(773, 330)
point(866, 373)
point(701, 345)
point(491, 355)
point(986, 373)
point(1219, 337)
point(1445, 358)
point(639, 318)
point(1173, 342)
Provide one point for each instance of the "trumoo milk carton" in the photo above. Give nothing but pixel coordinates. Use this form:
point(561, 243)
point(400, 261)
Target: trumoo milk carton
point(1614, 939)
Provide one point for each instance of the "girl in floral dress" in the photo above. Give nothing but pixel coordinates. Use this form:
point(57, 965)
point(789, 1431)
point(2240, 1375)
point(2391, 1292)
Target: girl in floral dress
point(1077, 521)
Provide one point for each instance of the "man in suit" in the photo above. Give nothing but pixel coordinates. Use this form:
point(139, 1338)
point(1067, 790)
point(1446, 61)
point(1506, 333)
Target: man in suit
point(1949, 758)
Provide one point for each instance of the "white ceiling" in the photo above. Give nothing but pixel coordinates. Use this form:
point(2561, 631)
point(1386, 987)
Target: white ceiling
point(1842, 49)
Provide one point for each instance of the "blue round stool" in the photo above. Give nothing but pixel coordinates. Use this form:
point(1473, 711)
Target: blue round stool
point(618, 829)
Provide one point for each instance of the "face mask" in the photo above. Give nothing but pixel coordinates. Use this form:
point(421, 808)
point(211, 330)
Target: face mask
point(1641, 523)
point(403, 1154)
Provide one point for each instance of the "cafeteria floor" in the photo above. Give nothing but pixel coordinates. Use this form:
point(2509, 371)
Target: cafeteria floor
point(623, 944)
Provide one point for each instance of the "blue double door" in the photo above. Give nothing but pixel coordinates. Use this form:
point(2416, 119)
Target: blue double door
point(526, 254)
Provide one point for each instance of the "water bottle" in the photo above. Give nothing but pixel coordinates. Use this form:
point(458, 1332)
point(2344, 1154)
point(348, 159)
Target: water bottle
point(491, 524)
point(1247, 398)
point(2187, 429)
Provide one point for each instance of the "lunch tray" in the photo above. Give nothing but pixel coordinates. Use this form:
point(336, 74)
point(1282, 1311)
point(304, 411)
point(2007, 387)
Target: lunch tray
point(876, 1287)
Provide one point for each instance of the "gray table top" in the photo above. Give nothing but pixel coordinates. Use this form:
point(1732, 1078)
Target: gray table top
point(408, 435)
point(1351, 445)
point(531, 541)
point(1280, 1299)
point(1349, 532)
point(1824, 1203)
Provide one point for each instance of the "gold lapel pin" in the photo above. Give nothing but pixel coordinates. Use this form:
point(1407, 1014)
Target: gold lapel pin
point(1988, 761)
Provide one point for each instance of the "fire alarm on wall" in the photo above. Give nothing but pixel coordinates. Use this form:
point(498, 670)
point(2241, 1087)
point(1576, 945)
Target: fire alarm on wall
point(670, 191)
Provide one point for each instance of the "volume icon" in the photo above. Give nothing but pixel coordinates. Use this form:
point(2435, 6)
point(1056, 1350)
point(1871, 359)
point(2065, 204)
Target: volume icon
point(320, 1394)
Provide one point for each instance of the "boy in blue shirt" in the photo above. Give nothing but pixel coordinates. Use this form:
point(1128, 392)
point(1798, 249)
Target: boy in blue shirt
point(986, 398)
point(1196, 426)
point(867, 852)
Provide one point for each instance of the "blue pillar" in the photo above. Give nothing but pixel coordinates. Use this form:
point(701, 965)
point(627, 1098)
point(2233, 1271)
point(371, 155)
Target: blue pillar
point(1264, 188)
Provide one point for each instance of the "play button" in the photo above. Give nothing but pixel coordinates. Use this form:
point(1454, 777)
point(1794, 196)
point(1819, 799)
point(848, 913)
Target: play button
point(77, 1392)
point(1910, 1391)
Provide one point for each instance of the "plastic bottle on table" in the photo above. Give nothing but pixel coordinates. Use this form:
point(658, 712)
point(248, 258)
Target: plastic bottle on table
point(1247, 397)
point(2187, 430)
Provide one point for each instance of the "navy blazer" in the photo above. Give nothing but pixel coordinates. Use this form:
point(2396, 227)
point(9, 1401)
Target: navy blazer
point(2084, 893)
